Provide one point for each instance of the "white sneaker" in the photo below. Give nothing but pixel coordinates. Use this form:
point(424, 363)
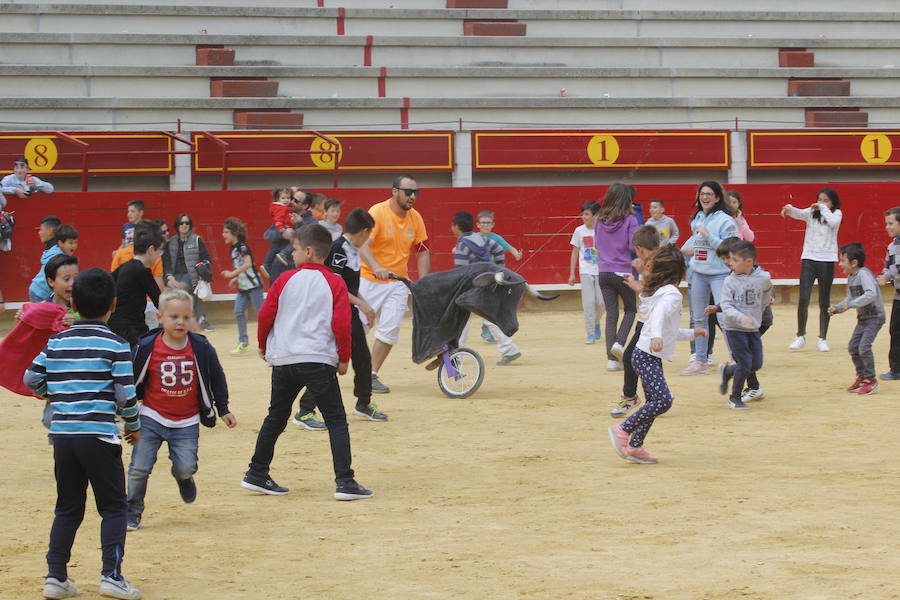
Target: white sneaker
point(798, 344)
point(118, 588)
point(617, 350)
point(614, 365)
point(56, 589)
point(750, 395)
point(710, 361)
point(823, 346)
point(692, 358)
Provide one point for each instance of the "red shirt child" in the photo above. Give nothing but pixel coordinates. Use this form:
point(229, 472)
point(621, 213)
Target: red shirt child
point(170, 395)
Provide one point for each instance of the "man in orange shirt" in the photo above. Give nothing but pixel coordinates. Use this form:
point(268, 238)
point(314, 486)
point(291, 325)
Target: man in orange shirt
point(398, 229)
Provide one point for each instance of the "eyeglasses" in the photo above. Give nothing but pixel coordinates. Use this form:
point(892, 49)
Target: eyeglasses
point(409, 191)
point(184, 222)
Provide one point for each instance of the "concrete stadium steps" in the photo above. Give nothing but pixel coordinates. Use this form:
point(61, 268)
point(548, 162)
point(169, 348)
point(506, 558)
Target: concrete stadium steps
point(443, 82)
point(193, 18)
point(425, 51)
point(425, 113)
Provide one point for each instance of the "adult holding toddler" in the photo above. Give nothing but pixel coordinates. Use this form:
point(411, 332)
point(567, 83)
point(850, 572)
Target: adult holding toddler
point(712, 222)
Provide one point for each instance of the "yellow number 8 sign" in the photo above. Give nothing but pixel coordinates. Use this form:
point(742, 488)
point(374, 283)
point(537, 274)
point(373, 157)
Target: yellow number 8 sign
point(41, 154)
point(322, 155)
point(603, 150)
point(876, 148)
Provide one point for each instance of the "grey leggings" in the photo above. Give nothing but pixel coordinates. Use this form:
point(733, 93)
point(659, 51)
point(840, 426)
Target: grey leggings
point(612, 287)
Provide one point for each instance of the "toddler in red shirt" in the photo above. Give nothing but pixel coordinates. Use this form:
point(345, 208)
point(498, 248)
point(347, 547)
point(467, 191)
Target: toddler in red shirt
point(181, 383)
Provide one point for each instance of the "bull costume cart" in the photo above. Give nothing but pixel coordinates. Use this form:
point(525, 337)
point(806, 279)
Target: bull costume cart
point(442, 303)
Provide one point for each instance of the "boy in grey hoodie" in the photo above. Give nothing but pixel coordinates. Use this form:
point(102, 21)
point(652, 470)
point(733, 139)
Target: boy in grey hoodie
point(745, 294)
point(864, 295)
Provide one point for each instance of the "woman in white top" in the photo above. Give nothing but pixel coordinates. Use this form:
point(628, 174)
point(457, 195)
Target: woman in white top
point(820, 252)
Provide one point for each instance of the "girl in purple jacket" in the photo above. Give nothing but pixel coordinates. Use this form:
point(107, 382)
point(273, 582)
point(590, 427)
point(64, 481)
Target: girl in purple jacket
point(613, 229)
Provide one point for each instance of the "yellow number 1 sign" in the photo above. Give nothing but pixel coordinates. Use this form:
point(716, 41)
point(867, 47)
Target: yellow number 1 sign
point(603, 150)
point(876, 148)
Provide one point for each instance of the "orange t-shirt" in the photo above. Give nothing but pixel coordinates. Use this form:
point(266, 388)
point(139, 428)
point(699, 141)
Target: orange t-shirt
point(123, 255)
point(392, 239)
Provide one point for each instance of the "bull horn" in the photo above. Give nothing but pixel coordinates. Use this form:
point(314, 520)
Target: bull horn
point(539, 295)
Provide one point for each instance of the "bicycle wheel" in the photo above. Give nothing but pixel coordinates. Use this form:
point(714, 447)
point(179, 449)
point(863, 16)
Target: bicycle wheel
point(470, 368)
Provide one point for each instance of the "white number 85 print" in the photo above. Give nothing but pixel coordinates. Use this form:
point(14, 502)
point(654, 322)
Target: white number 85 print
point(177, 373)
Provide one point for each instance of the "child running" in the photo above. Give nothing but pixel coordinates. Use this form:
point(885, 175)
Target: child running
point(645, 241)
point(135, 283)
point(745, 294)
point(891, 274)
point(864, 295)
point(86, 373)
point(181, 383)
point(662, 306)
point(344, 260)
point(244, 277)
point(304, 334)
point(584, 255)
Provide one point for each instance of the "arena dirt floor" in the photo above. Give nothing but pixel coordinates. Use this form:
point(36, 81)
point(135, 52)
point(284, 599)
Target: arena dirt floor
point(514, 492)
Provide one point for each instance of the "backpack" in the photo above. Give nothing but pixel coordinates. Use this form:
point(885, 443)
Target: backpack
point(7, 225)
point(480, 253)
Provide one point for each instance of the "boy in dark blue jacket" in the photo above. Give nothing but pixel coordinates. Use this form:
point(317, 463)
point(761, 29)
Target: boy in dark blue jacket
point(178, 376)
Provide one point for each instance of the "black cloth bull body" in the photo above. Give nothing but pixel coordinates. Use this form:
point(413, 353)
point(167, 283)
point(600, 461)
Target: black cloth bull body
point(442, 302)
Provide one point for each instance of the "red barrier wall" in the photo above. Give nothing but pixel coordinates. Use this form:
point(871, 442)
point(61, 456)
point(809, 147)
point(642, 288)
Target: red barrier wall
point(539, 220)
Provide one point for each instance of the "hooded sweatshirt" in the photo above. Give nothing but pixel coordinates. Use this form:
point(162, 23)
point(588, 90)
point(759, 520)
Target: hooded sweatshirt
point(720, 225)
point(613, 241)
point(745, 295)
point(891, 270)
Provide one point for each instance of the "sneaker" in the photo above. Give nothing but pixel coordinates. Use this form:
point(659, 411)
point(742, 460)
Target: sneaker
point(205, 326)
point(868, 387)
point(855, 385)
point(823, 346)
point(378, 387)
point(691, 358)
point(187, 488)
point(597, 333)
point(889, 376)
point(505, 360)
point(640, 456)
point(118, 588)
point(710, 361)
point(617, 350)
point(625, 405)
point(486, 335)
point(265, 272)
point(370, 411)
point(618, 437)
point(350, 490)
point(696, 368)
point(798, 344)
point(614, 365)
point(54, 588)
point(723, 380)
point(262, 484)
point(590, 339)
point(751, 395)
point(737, 404)
point(309, 422)
point(240, 348)
point(133, 524)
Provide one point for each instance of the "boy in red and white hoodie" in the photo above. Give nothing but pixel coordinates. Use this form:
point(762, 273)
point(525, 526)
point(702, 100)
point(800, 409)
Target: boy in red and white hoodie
point(304, 334)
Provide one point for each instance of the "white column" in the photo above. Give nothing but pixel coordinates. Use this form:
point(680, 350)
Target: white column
point(462, 171)
point(738, 171)
point(181, 180)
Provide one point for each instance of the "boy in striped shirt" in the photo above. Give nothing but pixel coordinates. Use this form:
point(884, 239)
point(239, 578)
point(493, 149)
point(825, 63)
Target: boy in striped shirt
point(86, 373)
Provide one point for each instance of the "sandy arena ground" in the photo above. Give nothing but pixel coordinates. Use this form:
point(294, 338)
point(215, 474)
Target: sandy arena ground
point(515, 492)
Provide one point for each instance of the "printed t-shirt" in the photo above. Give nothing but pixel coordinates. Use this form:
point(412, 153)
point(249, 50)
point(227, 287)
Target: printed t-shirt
point(171, 385)
point(583, 240)
point(392, 239)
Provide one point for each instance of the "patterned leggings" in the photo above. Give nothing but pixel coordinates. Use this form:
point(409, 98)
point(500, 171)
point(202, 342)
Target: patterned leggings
point(656, 392)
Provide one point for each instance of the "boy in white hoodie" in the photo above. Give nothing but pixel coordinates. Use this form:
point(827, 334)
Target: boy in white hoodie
point(745, 295)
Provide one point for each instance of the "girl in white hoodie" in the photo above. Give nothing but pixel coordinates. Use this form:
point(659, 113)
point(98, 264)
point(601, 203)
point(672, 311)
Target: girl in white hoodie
point(661, 304)
point(820, 252)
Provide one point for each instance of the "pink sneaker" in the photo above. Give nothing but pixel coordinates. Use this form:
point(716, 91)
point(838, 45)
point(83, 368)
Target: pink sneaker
point(640, 456)
point(619, 439)
point(696, 368)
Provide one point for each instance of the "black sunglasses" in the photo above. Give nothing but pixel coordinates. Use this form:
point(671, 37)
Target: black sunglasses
point(184, 223)
point(409, 191)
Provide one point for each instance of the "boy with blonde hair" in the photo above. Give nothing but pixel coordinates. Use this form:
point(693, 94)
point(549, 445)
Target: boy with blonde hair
point(181, 383)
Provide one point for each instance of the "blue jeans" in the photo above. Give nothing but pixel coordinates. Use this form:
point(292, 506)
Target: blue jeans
point(747, 352)
point(701, 287)
point(245, 297)
point(183, 443)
